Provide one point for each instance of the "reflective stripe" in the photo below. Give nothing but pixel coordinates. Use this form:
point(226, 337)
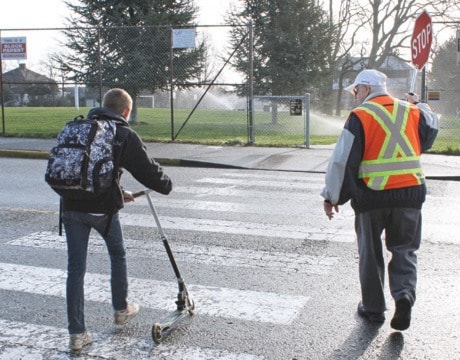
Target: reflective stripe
point(388, 167)
point(393, 125)
point(397, 155)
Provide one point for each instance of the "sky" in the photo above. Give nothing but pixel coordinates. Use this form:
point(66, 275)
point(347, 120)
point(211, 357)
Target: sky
point(33, 14)
point(17, 14)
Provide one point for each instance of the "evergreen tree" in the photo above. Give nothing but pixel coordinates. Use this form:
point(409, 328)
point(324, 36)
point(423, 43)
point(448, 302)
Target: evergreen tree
point(126, 43)
point(292, 45)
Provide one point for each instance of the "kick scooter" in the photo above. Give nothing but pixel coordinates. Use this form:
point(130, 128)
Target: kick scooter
point(185, 305)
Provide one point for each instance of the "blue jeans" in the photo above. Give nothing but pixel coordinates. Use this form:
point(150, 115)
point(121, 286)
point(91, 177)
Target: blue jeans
point(78, 226)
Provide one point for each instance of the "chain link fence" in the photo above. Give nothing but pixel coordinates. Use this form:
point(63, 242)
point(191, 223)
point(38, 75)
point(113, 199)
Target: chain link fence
point(446, 103)
point(182, 81)
point(281, 120)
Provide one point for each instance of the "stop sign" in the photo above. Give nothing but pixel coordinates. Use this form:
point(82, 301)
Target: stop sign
point(421, 40)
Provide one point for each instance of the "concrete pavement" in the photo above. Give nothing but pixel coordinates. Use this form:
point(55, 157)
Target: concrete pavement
point(313, 159)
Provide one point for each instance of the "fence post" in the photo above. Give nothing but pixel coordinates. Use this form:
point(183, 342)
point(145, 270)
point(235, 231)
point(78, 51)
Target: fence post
point(171, 79)
point(99, 55)
point(251, 84)
point(307, 121)
point(2, 97)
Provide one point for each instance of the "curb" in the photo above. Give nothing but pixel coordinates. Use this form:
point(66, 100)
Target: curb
point(27, 154)
point(39, 154)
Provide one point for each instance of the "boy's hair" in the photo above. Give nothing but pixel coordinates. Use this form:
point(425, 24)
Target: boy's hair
point(117, 100)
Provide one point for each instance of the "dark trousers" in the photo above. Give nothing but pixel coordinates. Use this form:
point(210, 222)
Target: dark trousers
point(402, 230)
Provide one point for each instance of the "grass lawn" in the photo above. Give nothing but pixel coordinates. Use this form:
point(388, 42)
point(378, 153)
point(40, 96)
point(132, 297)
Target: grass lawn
point(214, 127)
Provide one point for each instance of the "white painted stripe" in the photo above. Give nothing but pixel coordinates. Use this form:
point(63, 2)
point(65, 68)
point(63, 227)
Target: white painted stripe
point(239, 227)
point(229, 191)
point(291, 185)
point(213, 301)
point(267, 207)
point(20, 340)
point(277, 176)
point(207, 255)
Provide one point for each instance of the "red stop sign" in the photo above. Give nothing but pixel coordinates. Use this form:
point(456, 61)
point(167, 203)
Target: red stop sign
point(421, 40)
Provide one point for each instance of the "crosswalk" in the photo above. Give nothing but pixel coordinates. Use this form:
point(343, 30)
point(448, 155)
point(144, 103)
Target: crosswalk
point(29, 341)
point(224, 204)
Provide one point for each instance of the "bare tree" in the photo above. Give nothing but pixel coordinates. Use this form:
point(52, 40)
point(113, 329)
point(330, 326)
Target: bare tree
point(375, 29)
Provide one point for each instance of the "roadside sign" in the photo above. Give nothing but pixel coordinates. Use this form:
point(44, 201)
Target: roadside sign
point(295, 107)
point(421, 40)
point(183, 38)
point(434, 95)
point(13, 48)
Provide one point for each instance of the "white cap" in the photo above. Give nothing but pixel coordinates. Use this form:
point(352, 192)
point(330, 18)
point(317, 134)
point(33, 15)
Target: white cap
point(371, 78)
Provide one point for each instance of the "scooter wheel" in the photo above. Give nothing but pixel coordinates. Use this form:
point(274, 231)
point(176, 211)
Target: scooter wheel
point(156, 333)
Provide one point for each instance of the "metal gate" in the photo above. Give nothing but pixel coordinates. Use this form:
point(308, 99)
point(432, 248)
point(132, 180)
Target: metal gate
point(280, 120)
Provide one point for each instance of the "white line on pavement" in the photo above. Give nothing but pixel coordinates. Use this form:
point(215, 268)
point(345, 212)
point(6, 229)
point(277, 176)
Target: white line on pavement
point(21, 340)
point(196, 254)
point(232, 191)
point(291, 185)
point(213, 301)
point(238, 227)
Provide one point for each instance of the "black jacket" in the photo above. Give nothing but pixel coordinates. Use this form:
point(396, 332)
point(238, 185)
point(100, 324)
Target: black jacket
point(129, 153)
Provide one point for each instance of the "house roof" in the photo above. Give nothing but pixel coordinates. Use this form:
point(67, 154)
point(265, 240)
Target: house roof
point(390, 63)
point(23, 75)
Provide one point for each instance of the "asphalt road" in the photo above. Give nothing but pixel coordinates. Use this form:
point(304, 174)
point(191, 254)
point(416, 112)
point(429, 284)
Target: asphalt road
point(272, 278)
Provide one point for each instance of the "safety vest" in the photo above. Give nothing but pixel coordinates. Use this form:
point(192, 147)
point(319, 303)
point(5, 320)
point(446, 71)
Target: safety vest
point(392, 147)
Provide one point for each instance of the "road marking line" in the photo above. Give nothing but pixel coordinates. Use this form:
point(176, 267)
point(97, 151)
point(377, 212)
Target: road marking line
point(267, 207)
point(232, 190)
point(291, 185)
point(277, 176)
point(239, 227)
point(194, 254)
point(21, 340)
point(213, 301)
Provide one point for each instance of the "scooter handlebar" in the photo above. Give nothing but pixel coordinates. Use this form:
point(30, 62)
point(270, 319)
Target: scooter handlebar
point(142, 192)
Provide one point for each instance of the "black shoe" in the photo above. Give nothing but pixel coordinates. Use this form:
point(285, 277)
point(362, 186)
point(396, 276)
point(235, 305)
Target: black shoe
point(401, 318)
point(373, 317)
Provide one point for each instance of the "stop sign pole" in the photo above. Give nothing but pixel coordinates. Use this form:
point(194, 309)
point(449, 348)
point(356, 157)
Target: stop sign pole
point(421, 45)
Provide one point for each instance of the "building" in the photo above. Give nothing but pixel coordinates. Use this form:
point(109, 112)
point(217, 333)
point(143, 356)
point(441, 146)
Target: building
point(24, 87)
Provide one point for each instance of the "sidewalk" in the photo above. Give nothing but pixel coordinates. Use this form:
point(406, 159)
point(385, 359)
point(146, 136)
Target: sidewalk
point(314, 159)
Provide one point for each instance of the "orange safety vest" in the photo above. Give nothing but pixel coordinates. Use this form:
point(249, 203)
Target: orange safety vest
point(391, 144)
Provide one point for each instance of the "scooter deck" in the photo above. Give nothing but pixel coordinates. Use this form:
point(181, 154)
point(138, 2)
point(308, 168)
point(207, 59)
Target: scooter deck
point(170, 323)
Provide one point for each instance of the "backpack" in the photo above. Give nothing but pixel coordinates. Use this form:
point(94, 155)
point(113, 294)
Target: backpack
point(82, 165)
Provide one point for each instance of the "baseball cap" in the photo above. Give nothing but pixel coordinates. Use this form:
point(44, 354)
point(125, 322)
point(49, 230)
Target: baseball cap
point(369, 77)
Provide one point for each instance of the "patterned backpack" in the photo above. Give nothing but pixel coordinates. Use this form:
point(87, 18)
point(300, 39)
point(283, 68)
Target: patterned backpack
point(82, 166)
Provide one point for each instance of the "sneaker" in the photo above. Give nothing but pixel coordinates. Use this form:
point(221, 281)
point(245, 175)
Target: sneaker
point(373, 317)
point(78, 341)
point(402, 316)
point(123, 316)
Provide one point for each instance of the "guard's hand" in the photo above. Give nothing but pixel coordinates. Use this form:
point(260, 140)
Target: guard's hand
point(127, 196)
point(412, 98)
point(329, 209)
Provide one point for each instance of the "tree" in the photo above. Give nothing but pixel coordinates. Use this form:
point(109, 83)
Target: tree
point(373, 30)
point(292, 44)
point(127, 44)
